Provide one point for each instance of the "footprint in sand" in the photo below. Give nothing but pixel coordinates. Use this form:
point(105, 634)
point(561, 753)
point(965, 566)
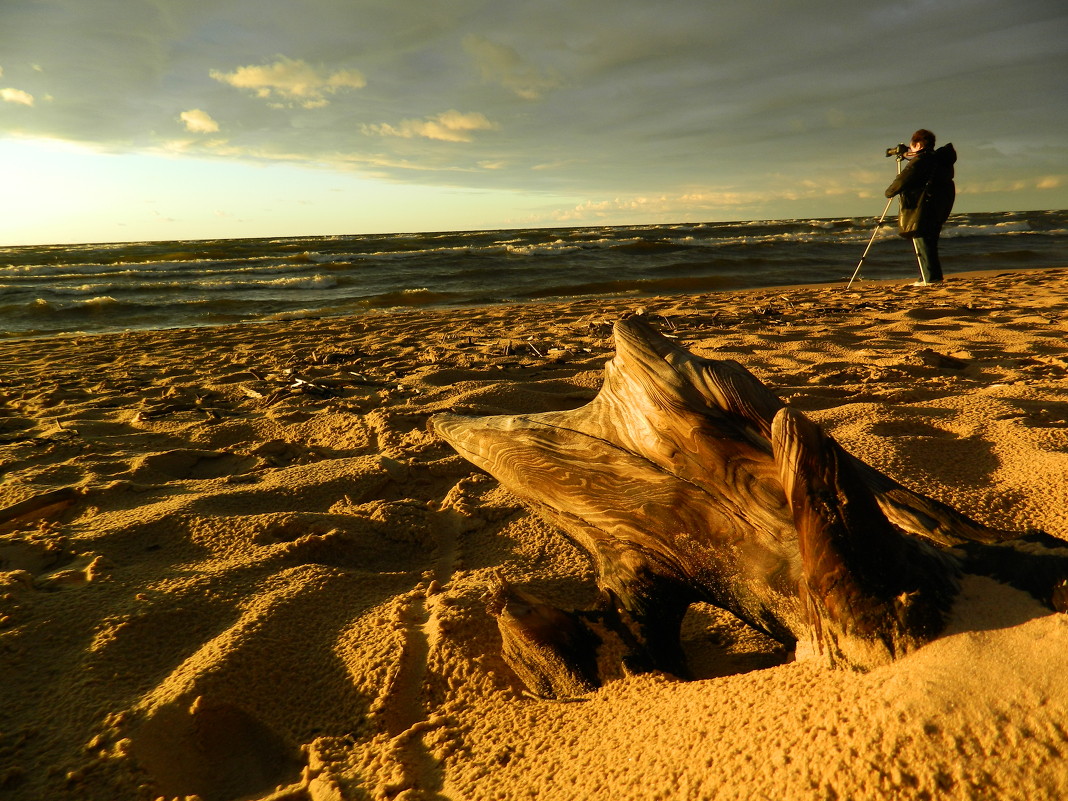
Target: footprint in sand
point(44, 563)
point(189, 464)
point(212, 750)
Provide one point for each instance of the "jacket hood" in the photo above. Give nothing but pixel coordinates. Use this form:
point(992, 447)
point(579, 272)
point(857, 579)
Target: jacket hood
point(947, 154)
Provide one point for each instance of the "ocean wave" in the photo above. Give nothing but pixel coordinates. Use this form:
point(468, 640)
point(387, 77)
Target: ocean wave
point(399, 255)
point(269, 284)
point(557, 248)
point(136, 267)
point(422, 296)
point(647, 246)
point(145, 281)
point(996, 229)
point(155, 285)
point(83, 289)
point(295, 314)
point(64, 272)
point(99, 300)
point(45, 306)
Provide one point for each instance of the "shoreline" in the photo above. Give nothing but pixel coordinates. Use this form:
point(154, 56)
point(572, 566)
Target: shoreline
point(259, 575)
point(613, 300)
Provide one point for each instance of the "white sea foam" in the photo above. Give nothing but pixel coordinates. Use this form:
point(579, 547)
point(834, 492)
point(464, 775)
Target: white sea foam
point(99, 300)
point(290, 282)
point(83, 289)
point(543, 249)
point(295, 314)
point(65, 271)
point(1019, 227)
point(299, 282)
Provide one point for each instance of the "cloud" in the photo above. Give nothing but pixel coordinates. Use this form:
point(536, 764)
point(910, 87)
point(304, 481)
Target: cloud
point(449, 126)
point(704, 203)
point(376, 164)
point(291, 80)
point(502, 64)
point(198, 121)
point(594, 100)
point(16, 96)
point(999, 185)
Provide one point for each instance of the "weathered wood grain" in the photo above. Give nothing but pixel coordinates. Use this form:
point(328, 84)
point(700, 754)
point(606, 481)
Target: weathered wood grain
point(687, 480)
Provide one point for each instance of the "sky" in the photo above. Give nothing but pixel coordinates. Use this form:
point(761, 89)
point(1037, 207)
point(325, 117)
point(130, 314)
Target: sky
point(133, 120)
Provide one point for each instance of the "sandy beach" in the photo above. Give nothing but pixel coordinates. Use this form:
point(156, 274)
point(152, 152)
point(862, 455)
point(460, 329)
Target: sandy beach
point(235, 563)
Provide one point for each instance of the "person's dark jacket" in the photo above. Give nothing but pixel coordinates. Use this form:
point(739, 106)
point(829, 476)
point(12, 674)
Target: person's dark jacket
point(931, 170)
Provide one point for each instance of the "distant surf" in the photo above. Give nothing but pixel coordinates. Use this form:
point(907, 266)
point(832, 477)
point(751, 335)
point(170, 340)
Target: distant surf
point(59, 289)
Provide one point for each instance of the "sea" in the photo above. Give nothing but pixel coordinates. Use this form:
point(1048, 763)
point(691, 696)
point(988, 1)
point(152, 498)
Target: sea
point(54, 290)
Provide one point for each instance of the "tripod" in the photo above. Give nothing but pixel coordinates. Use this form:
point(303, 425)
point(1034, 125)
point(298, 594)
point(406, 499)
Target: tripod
point(882, 217)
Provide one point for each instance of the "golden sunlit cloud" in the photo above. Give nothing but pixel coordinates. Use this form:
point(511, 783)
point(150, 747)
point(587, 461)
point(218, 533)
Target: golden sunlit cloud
point(1010, 185)
point(292, 80)
point(16, 96)
point(449, 126)
point(699, 202)
point(198, 121)
point(501, 64)
point(605, 208)
point(549, 166)
point(376, 165)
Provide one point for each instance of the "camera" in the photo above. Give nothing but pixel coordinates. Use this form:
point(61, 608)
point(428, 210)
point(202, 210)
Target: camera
point(897, 150)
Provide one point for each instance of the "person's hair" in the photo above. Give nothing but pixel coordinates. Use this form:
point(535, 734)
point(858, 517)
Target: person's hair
point(924, 136)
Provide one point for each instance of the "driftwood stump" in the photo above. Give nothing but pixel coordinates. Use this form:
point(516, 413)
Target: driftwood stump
point(687, 480)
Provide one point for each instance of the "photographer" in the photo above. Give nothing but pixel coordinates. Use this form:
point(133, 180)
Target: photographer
point(927, 193)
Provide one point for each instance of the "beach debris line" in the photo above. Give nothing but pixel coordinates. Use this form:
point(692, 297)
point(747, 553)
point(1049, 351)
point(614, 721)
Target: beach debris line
point(687, 480)
point(289, 383)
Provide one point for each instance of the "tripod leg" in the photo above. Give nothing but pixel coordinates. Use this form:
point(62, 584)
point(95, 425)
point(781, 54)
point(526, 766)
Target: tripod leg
point(882, 217)
point(919, 261)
